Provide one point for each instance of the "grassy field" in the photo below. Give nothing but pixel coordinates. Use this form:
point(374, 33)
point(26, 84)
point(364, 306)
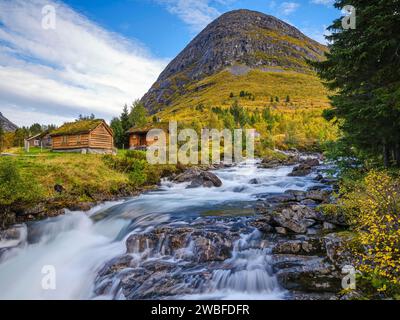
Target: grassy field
point(305, 92)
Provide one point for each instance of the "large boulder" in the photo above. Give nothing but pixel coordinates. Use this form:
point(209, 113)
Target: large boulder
point(296, 218)
point(198, 178)
point(304, 168)
point(306, 273)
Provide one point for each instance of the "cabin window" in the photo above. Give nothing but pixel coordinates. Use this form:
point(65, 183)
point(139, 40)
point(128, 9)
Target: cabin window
point(36, 143)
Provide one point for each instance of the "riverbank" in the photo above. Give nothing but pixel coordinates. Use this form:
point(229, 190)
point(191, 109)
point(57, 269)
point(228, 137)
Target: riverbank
point(40, 185)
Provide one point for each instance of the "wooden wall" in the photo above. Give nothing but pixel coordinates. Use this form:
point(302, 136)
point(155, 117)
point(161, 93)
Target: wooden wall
point(100, 138)
point(136, 140)
point(71, 142)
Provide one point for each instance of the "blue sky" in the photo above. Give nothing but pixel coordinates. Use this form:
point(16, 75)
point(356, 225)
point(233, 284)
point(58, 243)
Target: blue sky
point(166, 27)
point(102, 54)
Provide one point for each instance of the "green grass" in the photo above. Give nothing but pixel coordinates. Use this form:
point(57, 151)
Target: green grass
point(305, 91)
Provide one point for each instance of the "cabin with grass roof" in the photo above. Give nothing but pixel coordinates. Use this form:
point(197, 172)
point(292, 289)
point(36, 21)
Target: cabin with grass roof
point(84, 136)
point(139, 138)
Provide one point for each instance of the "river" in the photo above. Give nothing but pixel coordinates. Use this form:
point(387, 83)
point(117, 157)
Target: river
point(78, 244)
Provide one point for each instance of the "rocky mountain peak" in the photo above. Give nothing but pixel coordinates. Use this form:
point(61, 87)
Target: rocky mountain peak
point(240, 38)
point(6, 124)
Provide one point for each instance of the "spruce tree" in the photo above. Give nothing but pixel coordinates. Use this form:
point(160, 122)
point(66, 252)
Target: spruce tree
point(363, 71)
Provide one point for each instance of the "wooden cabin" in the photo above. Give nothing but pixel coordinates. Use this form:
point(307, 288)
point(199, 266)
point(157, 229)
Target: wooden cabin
point(138, 139)
point(41, 140)
point(85, 136)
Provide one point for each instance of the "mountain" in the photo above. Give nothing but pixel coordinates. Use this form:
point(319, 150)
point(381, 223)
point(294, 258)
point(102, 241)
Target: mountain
point(242, 50)
point(6, 124)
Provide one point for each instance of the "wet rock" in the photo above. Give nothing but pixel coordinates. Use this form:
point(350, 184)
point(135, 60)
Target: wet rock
point(296, 218)
point(198, 178)
point(304, 168)
point(81, 206)
point(300, 171)
point(271, 162)
point(211, 246)
point(309, 274)
point(138, 243)
point(308, 246)
point(308, 202)
point(280, 230)
point(254, 181)
point(319, 195)
point(338, 219)
point(296, 194)
point(281, 198)
point(262, 224)
point(335, 246)
point(115, 265)
point(311, 162)
point(32, 211)
point(12, 238)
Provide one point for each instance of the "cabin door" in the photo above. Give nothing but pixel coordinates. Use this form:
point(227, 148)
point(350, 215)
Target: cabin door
point(142, 139)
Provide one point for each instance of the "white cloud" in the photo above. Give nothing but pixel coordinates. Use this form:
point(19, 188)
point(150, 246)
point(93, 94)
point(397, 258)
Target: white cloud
point(196, 13)
point(317, 34)
point(327, 3)
point(288, 8)
point(79, 67)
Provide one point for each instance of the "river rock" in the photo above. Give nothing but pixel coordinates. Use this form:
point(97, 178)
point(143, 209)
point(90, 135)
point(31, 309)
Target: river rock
point(198, 178)
point(304, 168)
point(319, 195)
point(296, 218)
point(335, 246)
point(307, 246)
point(281, 230)
point(298, 195)
point(303, 273)
point(211, 246)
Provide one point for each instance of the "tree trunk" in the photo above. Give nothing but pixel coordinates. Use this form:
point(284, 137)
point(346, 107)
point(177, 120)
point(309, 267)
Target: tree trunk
point(397, 154)
point(386, 155)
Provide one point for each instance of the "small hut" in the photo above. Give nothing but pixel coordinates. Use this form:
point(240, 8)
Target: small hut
point(138, 139)
point(41, 140)
point(85, 136)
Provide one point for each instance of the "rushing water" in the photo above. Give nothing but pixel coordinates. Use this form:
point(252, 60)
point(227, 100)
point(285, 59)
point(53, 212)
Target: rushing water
point(78, 244)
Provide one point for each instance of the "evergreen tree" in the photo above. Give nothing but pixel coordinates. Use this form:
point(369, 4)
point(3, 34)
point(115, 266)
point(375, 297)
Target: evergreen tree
point(119, 134)
point(287, 99)
point(124, 118)
point(363, 70)
point(138, 114)
point(35, 129)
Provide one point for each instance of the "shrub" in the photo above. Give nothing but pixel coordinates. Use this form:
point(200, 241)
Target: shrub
point(372, 206)
point(14, 187)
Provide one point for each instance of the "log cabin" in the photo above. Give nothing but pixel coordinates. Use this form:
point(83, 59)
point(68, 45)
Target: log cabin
point(41, 140)
point(138, 136)
point(84, 136)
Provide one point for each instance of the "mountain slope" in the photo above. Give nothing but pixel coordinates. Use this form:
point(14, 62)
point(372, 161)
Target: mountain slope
point(6, 124)
point(230, 49)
